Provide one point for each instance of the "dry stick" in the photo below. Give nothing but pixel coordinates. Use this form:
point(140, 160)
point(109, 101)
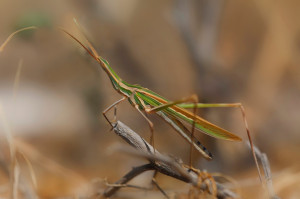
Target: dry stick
point(129, 176)
point(267, 171)
point(159, 188)
point(161, 163)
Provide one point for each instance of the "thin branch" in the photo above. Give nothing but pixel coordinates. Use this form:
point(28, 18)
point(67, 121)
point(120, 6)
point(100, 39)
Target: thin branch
point(158, 162)
point(159, 188)
point(130, 175)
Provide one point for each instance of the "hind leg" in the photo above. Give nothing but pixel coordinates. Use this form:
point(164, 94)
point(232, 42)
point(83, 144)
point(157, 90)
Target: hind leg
point(230, 105)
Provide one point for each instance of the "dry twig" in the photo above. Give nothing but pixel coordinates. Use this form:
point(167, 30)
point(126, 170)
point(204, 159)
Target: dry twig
point(160, 163)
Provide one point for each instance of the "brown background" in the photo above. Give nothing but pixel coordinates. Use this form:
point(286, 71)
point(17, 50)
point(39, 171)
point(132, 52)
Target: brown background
point(224, 51)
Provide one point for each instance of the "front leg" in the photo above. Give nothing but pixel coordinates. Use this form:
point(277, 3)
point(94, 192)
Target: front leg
point(112, 106)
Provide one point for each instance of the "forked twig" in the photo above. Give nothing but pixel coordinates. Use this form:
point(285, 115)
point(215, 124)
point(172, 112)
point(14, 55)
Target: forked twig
point(158, 162)
point(129, 176)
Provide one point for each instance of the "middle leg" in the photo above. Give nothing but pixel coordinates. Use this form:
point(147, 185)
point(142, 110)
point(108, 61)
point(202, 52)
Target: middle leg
point(192, 98)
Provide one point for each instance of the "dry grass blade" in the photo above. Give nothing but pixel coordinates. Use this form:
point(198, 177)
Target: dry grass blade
point(17, 79)
point(13, 171)
point(16, 179)
point(34, 155)
point(7, 132)
point(13, 34)
point(30, 167)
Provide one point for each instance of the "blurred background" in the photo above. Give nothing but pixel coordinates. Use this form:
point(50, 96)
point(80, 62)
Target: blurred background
point(52, 93)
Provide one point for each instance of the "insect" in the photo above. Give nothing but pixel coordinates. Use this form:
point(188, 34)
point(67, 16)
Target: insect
point(173, 112)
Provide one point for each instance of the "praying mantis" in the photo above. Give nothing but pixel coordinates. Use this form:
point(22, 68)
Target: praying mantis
point(175, 113)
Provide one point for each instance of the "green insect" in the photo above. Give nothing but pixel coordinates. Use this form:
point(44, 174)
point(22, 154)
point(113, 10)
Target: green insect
point(173, 112)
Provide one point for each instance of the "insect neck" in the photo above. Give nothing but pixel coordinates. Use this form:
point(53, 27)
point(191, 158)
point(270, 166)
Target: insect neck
point(114, 78)
point(119, 85)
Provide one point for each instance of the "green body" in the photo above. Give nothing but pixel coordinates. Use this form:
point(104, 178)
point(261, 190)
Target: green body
point(147, 100)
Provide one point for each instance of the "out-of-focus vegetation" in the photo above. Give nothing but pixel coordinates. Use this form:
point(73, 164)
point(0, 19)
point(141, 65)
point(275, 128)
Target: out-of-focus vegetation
point(224, 51)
